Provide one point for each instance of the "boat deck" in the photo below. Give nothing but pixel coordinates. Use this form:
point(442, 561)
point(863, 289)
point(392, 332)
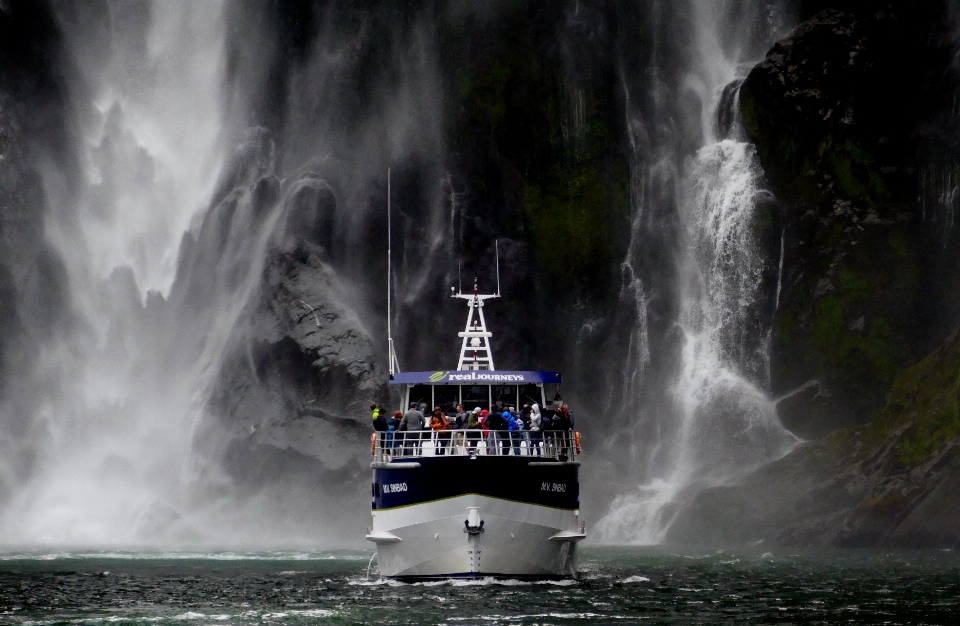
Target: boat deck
point(549, 446)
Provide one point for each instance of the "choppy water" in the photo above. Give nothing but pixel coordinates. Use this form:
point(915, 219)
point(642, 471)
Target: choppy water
point(624, 586)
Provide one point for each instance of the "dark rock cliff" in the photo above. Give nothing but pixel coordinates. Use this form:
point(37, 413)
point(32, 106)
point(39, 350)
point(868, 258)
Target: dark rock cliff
point(893, 482)
point(853, 120)
point(834, 111)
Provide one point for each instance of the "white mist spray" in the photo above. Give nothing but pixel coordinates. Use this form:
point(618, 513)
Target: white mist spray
point(722, 422)
point(114, 436)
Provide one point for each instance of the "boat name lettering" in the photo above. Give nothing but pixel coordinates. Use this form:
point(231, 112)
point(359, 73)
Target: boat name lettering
point(557, 487)
point(394, 487)
point(485, 377)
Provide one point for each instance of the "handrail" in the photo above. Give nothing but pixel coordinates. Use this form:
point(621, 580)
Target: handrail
point(560, 445)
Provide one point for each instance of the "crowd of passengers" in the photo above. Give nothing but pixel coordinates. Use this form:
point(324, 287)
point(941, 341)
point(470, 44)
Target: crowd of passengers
point(502, 427)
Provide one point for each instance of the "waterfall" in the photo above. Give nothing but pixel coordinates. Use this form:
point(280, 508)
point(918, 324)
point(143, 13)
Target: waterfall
point(716, 420)
point(217, 206)
point(113, 433)
point(212, 205)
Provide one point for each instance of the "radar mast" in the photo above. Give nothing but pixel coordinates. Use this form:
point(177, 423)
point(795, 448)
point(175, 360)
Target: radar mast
point(476, 353)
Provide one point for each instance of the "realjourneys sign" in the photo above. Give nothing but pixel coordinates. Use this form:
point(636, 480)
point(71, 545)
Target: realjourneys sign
point(454, 377)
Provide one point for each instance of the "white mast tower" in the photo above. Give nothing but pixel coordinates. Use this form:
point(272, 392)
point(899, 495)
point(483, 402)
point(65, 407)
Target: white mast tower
point(476, 353)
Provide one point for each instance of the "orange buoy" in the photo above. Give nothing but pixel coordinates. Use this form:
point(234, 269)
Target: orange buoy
point(373, 443)
point(576, 437)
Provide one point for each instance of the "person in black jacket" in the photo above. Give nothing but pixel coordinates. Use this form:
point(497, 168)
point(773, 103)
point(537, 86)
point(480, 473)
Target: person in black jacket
point(497, 425)
point(563, 424)
point(379, 418)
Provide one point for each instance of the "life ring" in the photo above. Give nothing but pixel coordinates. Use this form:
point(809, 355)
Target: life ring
point(576, 437)
point(373, 443)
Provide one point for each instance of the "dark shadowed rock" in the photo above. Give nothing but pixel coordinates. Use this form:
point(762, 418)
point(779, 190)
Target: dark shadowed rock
point(301, 368)
point(837, 492)
point(893, 482)
point(835, 138)
point(810, 411)
point(313, 212)
point(265, 192)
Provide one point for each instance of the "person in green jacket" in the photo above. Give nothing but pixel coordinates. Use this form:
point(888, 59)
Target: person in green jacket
point(379, 421)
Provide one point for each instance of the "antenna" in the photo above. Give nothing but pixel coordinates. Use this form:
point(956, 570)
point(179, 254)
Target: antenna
point(393, 365)
point(496, 248)
point(459, 280)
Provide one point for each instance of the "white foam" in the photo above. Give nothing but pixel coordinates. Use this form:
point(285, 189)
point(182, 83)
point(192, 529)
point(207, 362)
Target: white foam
point(636, 578)
point(484, 581)
point(179, 556)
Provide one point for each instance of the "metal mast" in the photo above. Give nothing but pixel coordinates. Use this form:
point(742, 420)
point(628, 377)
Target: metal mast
point(394, 365)
point(476, 352)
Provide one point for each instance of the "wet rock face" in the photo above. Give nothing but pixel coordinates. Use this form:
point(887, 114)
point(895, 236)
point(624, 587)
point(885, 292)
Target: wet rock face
point(293, 389)
point(833, 111)
point(288, 402)
point(303, 370)
point(838, 492)
point(891, 483)
point(853, 321)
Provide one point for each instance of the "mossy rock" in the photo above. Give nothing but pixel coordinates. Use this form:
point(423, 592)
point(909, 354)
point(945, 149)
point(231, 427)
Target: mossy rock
point(542, 158)
point(836, 148)
point(926, 399)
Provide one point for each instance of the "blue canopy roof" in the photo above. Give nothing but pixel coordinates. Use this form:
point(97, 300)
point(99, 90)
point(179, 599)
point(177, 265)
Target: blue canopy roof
point(466, 377)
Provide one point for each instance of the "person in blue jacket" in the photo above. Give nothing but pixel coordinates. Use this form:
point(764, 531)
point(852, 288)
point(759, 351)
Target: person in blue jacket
point(514, 426)
point(392, 425)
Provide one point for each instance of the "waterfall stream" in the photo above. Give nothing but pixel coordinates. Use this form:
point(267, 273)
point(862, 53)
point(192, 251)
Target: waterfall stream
point(718, 421)
point(218, 213)
point(176, 229)
point(113, 432)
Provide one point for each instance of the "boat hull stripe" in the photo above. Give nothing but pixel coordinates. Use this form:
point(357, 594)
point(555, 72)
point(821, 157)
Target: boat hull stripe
point(502, 477)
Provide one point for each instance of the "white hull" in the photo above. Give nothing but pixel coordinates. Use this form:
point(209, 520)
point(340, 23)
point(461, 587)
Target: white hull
point(518, 539)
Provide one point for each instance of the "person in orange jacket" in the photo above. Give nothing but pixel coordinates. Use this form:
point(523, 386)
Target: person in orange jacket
point(441, 426)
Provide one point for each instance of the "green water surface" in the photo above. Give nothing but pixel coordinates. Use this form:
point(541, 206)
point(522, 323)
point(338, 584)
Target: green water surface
point(658, 585)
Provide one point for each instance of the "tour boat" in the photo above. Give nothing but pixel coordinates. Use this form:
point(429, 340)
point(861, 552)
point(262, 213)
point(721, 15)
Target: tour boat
point(464, 503)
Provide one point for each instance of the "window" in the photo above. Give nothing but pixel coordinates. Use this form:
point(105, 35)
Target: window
point(476, 396)
point(530, 394)
point(552, 393)
point(447, 397)
point(422, 393)
point(505, 395)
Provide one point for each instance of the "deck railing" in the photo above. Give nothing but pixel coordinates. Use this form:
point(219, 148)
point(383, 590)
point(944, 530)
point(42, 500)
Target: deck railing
point(550, 444)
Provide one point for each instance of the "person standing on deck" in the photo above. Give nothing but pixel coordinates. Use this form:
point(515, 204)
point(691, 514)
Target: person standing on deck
point(392, 425)
point(412, 422)
point(497, 423)
point(379, 419)
point(514, 426)
point(536, 423)
point(473, 425)
point(440, 425)
point(460, 420)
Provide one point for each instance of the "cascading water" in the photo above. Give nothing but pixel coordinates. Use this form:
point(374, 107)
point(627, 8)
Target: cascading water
point(171, 238)
point(222, 239)
point(720, 422)
point(113, 418)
